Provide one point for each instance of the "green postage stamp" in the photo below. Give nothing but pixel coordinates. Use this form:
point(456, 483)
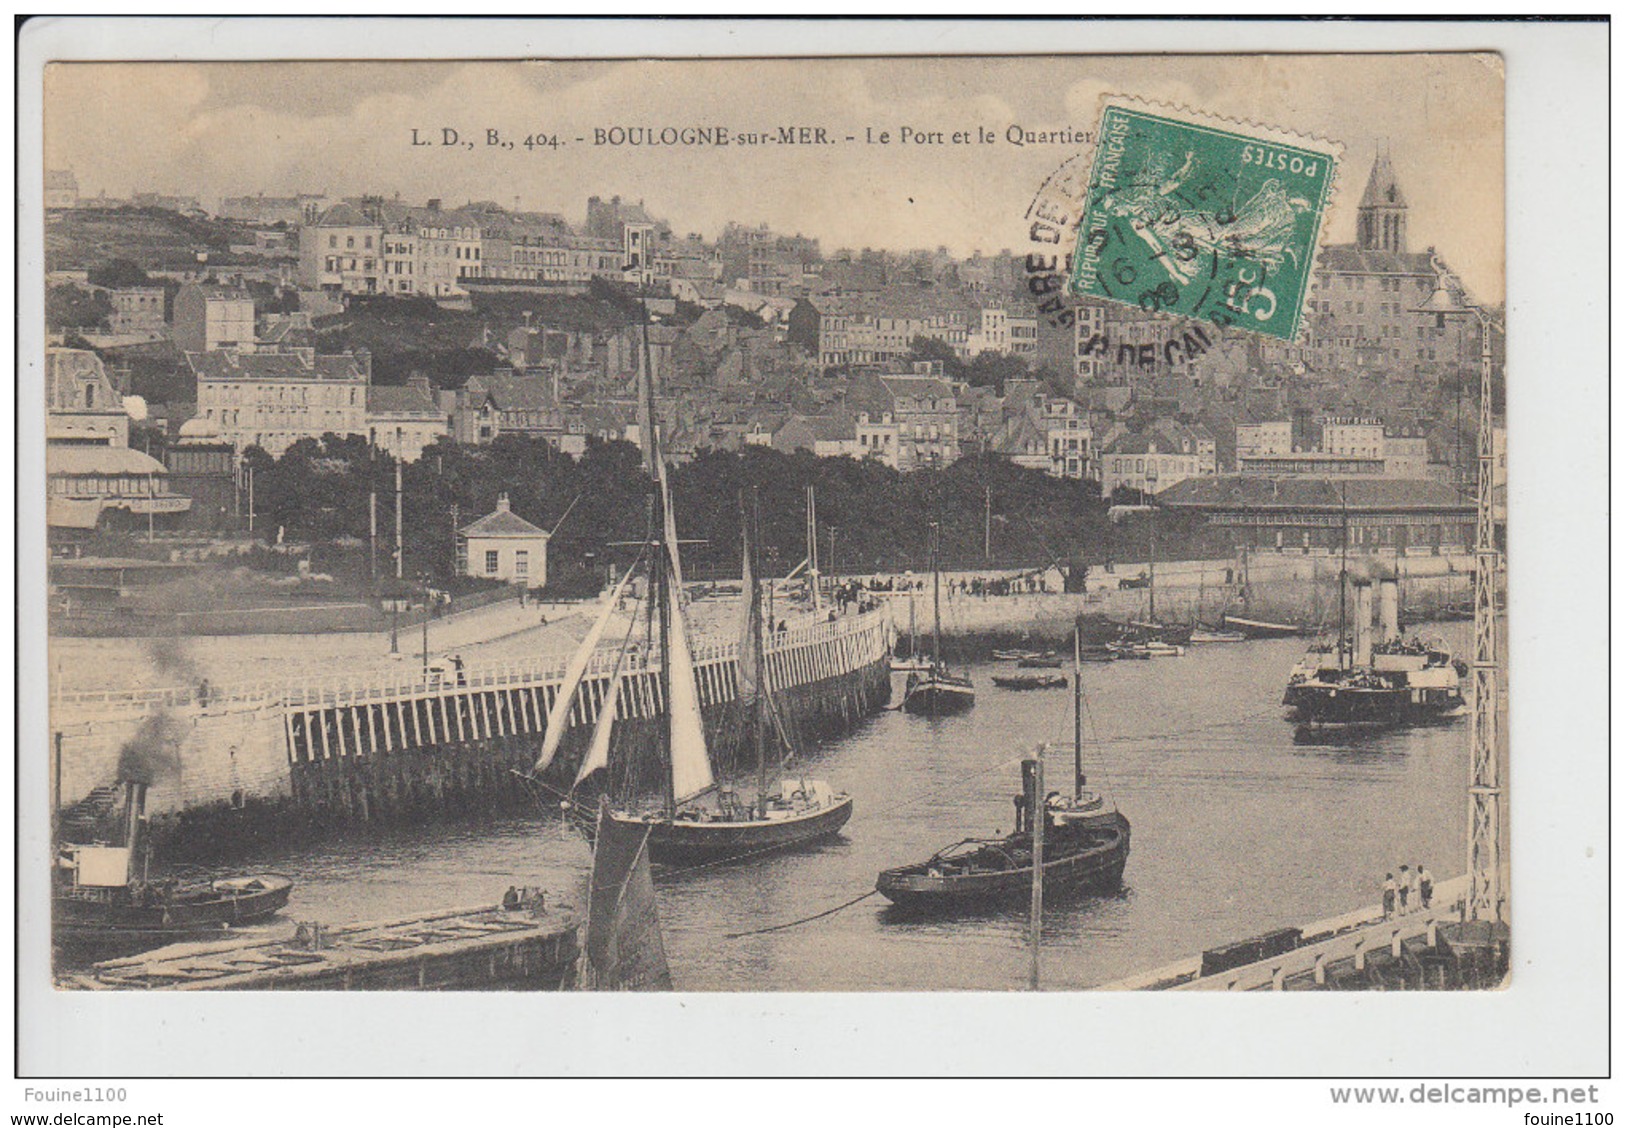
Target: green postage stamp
point(1202, 217)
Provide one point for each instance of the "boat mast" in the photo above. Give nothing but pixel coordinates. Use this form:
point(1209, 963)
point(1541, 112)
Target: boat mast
point(662, 601)
point(936, 603)
point(1151, 574)
point(812, 548)
point(1077, 708)
point(755, 612)
point(1343, 575)
point(1037, 815)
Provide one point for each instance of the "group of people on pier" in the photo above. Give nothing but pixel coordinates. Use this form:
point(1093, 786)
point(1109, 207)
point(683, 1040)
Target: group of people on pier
point(1410, 892)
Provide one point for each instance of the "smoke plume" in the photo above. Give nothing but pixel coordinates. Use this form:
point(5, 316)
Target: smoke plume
point(150, 755)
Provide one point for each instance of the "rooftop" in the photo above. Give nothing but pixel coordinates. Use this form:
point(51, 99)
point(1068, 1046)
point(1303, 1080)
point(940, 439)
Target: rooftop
point(1235, 491)
point(503, 522)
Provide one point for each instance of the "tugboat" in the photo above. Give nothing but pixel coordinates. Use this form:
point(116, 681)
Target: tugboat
point(938, 692)
point(101, 908)
point(1084, 844)
point(1392, 682)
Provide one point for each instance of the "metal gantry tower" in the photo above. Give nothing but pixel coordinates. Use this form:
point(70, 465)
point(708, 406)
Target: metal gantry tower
point(1484, 792)
point(1486, 900)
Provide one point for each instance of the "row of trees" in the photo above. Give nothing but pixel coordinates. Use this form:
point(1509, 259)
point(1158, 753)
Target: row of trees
point(871, 518)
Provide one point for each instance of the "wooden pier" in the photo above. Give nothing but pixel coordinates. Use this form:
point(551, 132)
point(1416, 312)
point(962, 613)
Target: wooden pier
point(264, 763)
point(477, 949)
point(1425, 949)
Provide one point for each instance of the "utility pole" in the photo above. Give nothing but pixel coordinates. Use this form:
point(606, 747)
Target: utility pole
point(400, 553)
point(251, 498)
point(372, 504)
point(987, 524)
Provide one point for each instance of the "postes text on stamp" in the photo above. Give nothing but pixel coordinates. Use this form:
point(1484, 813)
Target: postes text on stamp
point(1202, 217)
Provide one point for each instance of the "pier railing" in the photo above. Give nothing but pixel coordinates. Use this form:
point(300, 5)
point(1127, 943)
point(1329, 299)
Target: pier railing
point(389, 684)
point(1353, 936)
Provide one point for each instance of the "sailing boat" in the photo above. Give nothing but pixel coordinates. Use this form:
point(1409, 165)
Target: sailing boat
point(915, 662)
point(1085, 842)
point(1152, 631)
point(695, 821)
point(937, 692)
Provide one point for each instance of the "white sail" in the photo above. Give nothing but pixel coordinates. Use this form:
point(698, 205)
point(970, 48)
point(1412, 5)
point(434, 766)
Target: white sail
point(559, 714)
point(598, 751)
point(690, 760)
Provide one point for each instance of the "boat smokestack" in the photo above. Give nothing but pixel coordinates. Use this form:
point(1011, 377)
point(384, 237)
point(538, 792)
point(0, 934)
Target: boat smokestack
point(1388, 607)
point(1362, 623)
point(135, 805)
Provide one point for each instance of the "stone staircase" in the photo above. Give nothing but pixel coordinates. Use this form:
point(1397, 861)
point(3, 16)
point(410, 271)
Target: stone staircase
point(88, 819)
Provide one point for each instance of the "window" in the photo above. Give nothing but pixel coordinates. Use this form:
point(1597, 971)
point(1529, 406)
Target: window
point(521, 562)
point(491, 562)
point(332, 242)
point(349, 242)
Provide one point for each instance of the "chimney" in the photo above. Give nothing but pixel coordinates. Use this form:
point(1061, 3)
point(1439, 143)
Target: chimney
point(1362, 623)
point(1388, 606)
point(434, 204)
point(502, 503)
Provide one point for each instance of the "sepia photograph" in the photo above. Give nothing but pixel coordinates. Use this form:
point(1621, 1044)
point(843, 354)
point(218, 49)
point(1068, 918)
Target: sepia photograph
point(980, 522)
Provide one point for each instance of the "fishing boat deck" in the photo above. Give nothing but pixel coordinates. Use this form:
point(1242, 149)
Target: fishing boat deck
point(448, 950)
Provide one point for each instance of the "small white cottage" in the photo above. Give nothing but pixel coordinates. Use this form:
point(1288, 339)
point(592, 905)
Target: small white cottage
point(504, 546)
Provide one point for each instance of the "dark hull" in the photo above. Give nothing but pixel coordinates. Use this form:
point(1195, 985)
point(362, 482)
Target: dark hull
point(1176, 634)
point(1032, 681)
point(1093, 865)
point(1258, 628)
point(697, 843)
point(87, 925)
point(1351, 706)
point(935, 698)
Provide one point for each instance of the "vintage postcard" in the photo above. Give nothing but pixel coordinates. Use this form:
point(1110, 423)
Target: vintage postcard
point(946, 525)
point(628, 530)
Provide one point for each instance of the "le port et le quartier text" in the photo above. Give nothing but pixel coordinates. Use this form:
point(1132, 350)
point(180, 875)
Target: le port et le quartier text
point(656, 136)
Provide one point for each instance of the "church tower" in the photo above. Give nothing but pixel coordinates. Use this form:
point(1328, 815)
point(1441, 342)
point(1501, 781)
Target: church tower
point(1382, 210)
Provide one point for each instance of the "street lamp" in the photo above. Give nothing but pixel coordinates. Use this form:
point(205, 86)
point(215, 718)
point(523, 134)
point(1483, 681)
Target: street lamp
point(1484, 898)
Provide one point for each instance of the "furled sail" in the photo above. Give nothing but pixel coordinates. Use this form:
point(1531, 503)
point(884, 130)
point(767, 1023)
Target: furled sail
point(623, 949)
point(690, 761)
point(558, 716)
point(750, 647)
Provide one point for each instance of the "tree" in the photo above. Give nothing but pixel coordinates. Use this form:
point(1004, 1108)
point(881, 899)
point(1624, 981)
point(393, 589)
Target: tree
point(929, 348)
point(991, 370)
point(118, 274)
point(69, 307)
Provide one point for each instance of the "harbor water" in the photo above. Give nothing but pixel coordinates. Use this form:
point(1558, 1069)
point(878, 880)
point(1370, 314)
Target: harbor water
point(1238, 828)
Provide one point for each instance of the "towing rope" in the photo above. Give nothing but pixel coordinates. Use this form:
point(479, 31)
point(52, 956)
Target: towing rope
point(803, 920)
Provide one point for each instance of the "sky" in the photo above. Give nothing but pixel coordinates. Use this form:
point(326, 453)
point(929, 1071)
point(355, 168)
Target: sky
point(217, 129)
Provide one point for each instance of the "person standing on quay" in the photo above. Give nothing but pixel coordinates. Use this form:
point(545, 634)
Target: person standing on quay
point(1414, 888)
point(1424, 885)
point(1389, 891)
point(1404, 890)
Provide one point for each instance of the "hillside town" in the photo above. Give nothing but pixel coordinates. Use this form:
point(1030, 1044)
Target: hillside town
point(182, 338)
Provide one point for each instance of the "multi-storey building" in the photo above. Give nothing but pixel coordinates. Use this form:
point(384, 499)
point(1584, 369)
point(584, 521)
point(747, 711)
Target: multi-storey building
point(137, 309)
point(1270, 437)
point(876, 328)
point(342, 252)
point(1361, 438)
point(208, 318)
point(923, 408)
point(1068, 439)
point(403, 419)
point(1156, 459)
point(272, 400)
